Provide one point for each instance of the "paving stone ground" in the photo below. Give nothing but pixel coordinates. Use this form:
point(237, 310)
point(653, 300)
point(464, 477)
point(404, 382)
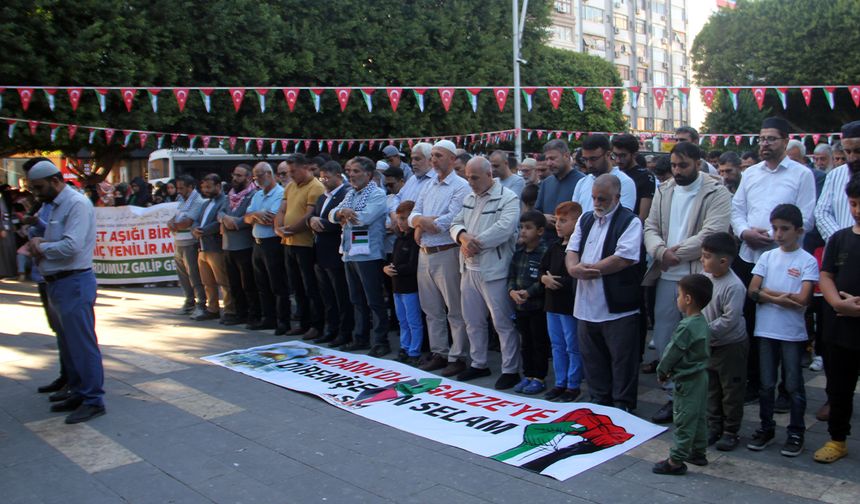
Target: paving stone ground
point(179, 430)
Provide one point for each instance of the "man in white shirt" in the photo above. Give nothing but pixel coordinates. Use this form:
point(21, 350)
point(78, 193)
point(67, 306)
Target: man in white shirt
point(602, 255)
point(775, 180)
point(595, 155)
point(439, 261)
point(689, 207)
point(832, 212)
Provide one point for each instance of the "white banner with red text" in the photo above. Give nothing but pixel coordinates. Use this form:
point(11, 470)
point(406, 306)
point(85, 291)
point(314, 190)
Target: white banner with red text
point(134, 245)
point(554, 439)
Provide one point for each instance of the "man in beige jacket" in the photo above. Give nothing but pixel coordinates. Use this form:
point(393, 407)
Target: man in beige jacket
point(686, 209)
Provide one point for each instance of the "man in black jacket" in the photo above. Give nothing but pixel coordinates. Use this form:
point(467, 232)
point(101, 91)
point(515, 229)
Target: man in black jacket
point(329, 266)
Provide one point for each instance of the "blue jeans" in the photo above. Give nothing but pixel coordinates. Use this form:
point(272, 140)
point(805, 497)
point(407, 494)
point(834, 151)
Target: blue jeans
point(73, 298)
point(566, 359)
point(770, 353)
point(408, 310)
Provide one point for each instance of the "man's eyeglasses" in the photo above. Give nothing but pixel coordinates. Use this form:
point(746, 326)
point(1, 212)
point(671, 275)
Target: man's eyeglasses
point(769, 139)
point(620, 155)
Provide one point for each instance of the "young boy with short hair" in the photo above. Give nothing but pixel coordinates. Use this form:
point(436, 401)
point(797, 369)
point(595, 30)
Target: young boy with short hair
point(558, 304)
point(526, 289)
point(403, 271)
point(727, 366)
point(783, 279)
point(685, 362)
point(840, 285)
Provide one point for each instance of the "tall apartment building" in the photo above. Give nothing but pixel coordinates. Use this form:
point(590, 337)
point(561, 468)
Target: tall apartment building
point(645, 39)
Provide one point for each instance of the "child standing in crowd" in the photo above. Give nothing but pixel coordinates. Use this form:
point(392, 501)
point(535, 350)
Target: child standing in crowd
point(840, 285)
point(783, 279)
point(558, 303)
point(403, 271)
point(526, 289)
point(727, 367)
point(685, 362)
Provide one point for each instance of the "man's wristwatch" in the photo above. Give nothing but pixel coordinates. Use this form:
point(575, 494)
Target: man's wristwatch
point(755, 295)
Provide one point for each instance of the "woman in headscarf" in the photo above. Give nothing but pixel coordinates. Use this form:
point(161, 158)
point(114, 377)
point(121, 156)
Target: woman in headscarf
point(141, 195)
point(105, 192)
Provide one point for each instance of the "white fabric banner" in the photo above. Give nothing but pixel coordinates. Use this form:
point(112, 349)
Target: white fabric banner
point(134, 245)
point(554, 439)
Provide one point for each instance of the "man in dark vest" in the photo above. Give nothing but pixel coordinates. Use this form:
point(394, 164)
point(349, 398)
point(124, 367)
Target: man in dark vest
point(602, 255)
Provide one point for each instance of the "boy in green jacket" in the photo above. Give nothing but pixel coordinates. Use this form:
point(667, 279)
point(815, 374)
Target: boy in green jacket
point(685, 361)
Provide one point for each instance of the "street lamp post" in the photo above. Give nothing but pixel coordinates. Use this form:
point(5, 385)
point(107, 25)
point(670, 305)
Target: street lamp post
point(519, 20)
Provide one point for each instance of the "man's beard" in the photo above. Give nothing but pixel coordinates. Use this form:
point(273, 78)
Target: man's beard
point(683, 180)
point(854, 166)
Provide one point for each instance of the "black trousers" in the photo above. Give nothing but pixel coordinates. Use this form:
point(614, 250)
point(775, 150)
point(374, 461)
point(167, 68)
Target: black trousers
point(271, 279)
point(243, 286)
point(339, 318)
point(299, 263)
point(55, 325)
point(843, 364)
point(535, 342)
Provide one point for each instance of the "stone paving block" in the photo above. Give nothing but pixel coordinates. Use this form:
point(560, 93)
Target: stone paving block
point(83, 444)
point(142, 483)
point(179, 460)
point(601, 488)
point(207, 438)
point(316, 486)
point(442, 493)
point(68, 483)
point(263, 464)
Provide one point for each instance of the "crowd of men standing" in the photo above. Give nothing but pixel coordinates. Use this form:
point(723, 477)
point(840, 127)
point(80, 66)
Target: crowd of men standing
point(568, 256)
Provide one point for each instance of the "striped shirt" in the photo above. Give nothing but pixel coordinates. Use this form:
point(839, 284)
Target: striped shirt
point(832, 212)
point(442, 199)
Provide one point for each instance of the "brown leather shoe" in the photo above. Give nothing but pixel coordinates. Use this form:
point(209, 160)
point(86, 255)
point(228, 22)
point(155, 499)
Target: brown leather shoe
point(823, 413)
point(435, 362)
point(312, 333)
point(454, 368)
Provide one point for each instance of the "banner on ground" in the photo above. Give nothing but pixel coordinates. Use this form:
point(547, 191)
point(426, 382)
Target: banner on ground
point(134, 245)
point(554, 439)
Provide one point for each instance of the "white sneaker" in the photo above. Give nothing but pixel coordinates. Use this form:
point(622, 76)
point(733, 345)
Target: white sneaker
point(198, 312)
point(817, 363)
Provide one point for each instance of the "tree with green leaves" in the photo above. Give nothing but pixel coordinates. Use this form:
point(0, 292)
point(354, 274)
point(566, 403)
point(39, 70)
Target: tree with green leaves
point(247, 43)
point(773, 42)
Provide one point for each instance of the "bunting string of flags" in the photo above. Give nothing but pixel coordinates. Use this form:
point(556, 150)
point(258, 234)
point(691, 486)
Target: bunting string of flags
point(228, 142)
point(446, 94)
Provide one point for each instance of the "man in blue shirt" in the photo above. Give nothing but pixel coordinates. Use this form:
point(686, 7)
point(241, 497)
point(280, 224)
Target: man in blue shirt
point(65, 259)
point(557, 187)
point(268, 256)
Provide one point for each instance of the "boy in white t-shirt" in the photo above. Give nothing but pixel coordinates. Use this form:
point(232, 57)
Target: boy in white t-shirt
point(782, 284)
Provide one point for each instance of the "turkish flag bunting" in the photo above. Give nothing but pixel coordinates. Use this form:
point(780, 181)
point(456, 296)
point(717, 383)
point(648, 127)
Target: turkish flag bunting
point(394, 95)
point(329, 144)
point(33, 126)
point(607, 94)
point(128, 97)
point(75, 97)
point(446, 94)
point(291, 95)
point(370, 144)
point(173, 138)
point(855, 94)
point(738, 139)
point(260, 143)
point(181, 97)
point(26, 95)
point(206, 141)
point(807, 94)
point(659, 96)
point(73, 128)
point(577, 135)
point(815, 138)
point(708, 95)
point(539, 134)
point(142, 137)
point(758, 93)
point(237, 95)
point(342, 98)
point(232, 142)
point(501, 94)
point(307, 145)
point(554, 98)
point(285, 144)
point(349, 145)
point(109, 134)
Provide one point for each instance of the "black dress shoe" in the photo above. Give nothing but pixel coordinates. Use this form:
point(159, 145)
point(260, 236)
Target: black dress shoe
point(379, 351)
point(506, 381)
point(70, 404)
point(60, 395)
point(664, 415)
point(282, 329)
point(84, 413)
point(261, 325)
point(355, 346)
point(231, 320)
point(472, 372)
point(326, 338)
point(338, 342)
point(54, 386)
